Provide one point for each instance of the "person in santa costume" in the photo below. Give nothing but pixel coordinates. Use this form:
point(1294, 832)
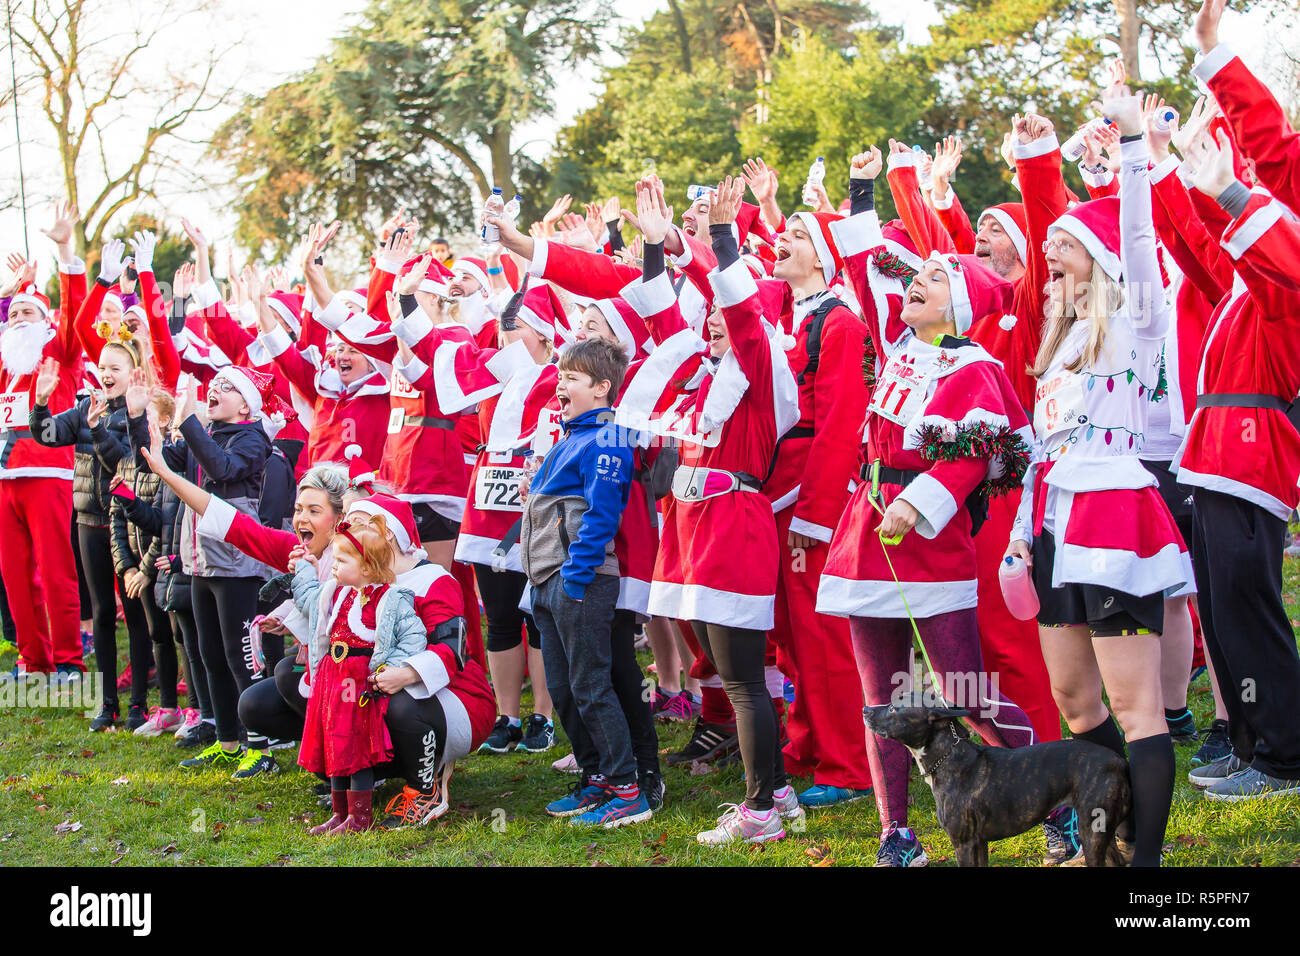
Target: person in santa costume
point(1241, 453)
point(514, 389)
point(1102, 545)
point(733, 397)
point(35, 481)
point(943, 432)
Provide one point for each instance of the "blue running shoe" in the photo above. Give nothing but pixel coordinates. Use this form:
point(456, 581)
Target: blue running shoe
point(901, 848)
point(615, 812)
point(823, 795)
point(1061, 830)
point(580, 799)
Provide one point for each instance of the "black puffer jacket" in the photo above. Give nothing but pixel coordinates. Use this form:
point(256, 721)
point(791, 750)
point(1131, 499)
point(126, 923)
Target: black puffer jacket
point(131, 539)
point(161, 520)
point(104, 447)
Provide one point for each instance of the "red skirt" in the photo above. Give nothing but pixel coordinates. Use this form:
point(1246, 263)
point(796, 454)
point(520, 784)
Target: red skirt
point(340, 737)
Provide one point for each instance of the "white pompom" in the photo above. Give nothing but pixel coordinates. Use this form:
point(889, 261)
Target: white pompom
point(352, 451)
point(1008, 322)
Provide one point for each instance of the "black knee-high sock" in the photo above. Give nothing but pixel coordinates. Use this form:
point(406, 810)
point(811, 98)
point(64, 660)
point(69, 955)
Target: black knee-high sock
point(363, 780)
point(1107, 734)
point(338, 784)
point(1151, 770)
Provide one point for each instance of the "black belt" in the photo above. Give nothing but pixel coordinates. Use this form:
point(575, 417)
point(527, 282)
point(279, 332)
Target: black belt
point(800, 431)
point(976, 503)
point(338, 648)
point(428, 421)
point(1243, 400)
point(889, 476)
point(745, 478)
point(524, 452)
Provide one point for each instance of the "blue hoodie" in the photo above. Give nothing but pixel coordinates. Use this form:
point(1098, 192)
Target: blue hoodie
point(576, 501)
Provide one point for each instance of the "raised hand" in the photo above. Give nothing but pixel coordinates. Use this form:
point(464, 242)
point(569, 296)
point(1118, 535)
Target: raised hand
point(409, 283)
point(573, 231)
point(22, 274)
point(726, 201)
point(1197, 121)
point(1207, 24)
point(183, 281)
point(153, 455)
point(867, 164)
point(1007, 150)
point(47, 380)
point(195, 235)
point(947, 157)
point(558, 209)
point(277, 278)
point(1121, 107)
point(1209, 160)
point(390, 225)
point(594, 215)
point(399, 244)
point(253, 286)
point(654, 215)
point(96, 409)
point(143, 244)
point(137, 393)
point(65, 218)
point(609, 212)
point(110, 260)
point(1158, 140)
point(761, 179)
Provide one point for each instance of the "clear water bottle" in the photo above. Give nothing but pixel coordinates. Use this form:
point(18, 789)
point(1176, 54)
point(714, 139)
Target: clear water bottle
point(1074, 147)
point(495, 205)
point(922, 170)
point(816, 176)
point(1165, 118)
point(512, 208)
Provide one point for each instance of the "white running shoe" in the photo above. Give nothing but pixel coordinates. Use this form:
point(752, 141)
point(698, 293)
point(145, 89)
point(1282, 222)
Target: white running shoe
point(160, 720)
point(189, 720)
point(566, 764)
point(742, 824)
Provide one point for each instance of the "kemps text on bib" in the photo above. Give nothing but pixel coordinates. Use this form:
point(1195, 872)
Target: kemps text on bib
point(78, 910)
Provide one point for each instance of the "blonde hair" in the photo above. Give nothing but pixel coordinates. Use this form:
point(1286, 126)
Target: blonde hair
point(375, 555)
point(1101, 299)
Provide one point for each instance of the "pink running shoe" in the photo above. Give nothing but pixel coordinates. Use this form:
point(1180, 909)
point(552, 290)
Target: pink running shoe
point(189, 720)
point(680, 707)
point(160, 719)
point(741, 824)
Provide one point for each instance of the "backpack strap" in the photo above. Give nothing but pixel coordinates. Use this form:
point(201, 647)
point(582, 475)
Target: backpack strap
point(815, 322)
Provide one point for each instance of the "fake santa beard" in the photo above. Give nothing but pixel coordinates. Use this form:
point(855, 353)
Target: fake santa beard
point(21, 346)
point(471, 311)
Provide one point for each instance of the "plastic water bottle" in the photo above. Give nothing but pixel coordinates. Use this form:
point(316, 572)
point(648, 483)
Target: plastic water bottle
point(494, 205)
point(1074, 147)
point(1018, 588)
point(816, 176)
point(512, 207)
point(1164, 119)
point(697, 192)
point(925, 180)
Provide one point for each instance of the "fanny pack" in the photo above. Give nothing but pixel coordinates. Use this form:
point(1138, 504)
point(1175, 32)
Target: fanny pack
point(691, 483)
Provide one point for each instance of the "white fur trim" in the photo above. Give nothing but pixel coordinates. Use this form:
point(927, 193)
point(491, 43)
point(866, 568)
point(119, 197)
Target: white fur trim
point(1211, 63)
point(933, 501)
point(216, 521)
point(857, 234)
point(433, 674)
point(537, 267)
point(845, 597)
point(1096, 180)
point(276, 342)
point(815, 531)
point(1011, 228)
point(206, 295)
point(1039, 147)
point(1253, 228)
point(649, 298)
point(74, 268)
point(1162, 169)
point(733, 285)
point(475, 549)
point(696, 602)
point(413, 328)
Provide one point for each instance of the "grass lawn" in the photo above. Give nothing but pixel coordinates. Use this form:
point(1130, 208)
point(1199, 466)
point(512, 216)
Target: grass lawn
point(70, 797)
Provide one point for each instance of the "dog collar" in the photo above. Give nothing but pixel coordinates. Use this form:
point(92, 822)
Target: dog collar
point(930, 771)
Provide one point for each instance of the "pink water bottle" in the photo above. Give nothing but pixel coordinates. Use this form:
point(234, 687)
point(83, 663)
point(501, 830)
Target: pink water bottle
point(1018, 588)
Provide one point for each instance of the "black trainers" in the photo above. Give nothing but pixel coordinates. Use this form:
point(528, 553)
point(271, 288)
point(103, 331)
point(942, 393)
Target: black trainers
point(135, 717)
point(1183, 728)
point(200, 735)
point(901, 848)
point(503, 737)
point(709, 742)
point(538, 735)
point(107, 717)
point(255, 762)
point(651, 783)
point(1215, 745)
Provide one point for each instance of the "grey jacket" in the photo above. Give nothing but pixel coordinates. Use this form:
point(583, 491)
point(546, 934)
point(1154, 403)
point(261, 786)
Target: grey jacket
point(550, 523)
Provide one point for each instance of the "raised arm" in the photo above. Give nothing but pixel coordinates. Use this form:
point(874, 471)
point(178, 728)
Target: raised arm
point(169, 361)
point(920, 221)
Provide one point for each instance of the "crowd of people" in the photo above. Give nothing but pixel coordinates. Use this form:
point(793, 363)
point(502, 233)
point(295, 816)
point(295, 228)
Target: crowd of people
point(787, 451)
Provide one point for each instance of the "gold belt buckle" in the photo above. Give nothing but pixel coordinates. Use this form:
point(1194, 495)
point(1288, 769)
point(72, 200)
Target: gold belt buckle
point(338, 652)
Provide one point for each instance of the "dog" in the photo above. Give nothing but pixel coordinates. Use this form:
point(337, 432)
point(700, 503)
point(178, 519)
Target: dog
point(991, 793)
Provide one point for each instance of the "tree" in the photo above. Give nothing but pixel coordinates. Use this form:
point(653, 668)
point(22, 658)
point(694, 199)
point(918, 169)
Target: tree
point(416, 105)
point(85, 58)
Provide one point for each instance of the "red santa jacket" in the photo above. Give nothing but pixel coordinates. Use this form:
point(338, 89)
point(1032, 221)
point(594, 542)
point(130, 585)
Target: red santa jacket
point(1250, 452)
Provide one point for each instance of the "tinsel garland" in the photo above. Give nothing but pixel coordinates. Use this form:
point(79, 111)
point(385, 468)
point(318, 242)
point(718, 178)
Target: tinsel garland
point(892, 266)
point(978, 440)
point(869, 365)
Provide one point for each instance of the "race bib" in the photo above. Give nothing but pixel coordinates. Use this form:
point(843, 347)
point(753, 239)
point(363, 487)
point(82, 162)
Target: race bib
point(548, 431)
point(401, 388)
point(14, 409)
point(496, 488)
point(1058, 404)
point(901, 391)
point(396, 419)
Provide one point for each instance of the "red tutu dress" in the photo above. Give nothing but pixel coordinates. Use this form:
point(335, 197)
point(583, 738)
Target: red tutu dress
point(340, 736)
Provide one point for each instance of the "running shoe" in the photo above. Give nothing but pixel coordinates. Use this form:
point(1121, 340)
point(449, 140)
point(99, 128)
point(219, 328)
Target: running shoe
point(68, 672)
point(1215, 745)
point(1061, 830)
point(825, 795)
point(582, 797)
point(135, 718)
point(679, 707)
point(190, 718)
point(659, 701)
point(214, 756)
point(900, 847)
point(107, 717)
point(787, 803)
point(275, 743)
point(254, 763)
point(615, 812)
point(1203, 778)
point(741, 824)
point(566, 764)
point(159, 720)
point(709, 742)
point(503, 737)
point(412, 808)
point(1251, 784)
point(652, 787)
point(538, 736)
point(9, 647)
point(87, 644)
point(1182, 728)
point(200, 735)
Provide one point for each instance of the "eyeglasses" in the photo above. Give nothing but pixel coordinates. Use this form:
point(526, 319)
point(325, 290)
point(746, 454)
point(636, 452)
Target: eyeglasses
point(1057, 245)
point(221, 385)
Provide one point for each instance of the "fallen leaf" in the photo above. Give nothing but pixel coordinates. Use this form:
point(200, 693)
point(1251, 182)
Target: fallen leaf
point(8, 836)
point(147, 803)
point(658, 841)
point(120, 781)
point(519, 776)
point(170, 848)
point(508, 793)
point(1188, 839)
point(254, 821)
point(67, 826)
point(264, 806)
point(658, 860)
point(700, 769)
point(71, 773)
point(818, 852)
point(87, 753)
point(825, 861)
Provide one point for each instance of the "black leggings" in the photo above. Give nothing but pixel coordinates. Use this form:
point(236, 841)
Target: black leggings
point(419, 732)
point(274, 708)
point(164, 648)
point(196, 675)
point(222, 606)
point(83, 592)
point(97, 564)
point(501, 591)
point(740, 656)
point(629, 688)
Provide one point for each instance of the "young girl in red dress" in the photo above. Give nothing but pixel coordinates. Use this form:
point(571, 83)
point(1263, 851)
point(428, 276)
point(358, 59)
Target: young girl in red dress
point(360, 624)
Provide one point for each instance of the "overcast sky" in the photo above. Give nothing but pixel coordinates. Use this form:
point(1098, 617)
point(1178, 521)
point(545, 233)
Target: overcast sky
point(285, 37)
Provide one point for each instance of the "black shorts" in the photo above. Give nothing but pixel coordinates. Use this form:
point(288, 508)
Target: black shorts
point(431, 526)
point(1177, 497)
point(1104, 611)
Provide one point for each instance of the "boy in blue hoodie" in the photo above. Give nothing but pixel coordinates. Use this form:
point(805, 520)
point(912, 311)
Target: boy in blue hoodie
point(573, 508)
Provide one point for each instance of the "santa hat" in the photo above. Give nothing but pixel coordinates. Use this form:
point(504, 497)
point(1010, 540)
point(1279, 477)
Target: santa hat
point(475, 269)
point(1011, 217)
point(398, 518)
point(898, 243)
point(435, 277)
point(287, 306)
point(257, 389)
point(1095, 224)
point(112, 298)
point(627, 325)
point(542, 310)
point(360, 474)
point(750, 223)
point(32, 296)
point(818, 225)
point(975, 289)
point(356, 297)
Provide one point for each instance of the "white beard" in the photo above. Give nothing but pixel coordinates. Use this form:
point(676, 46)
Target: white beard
point(22, 346)
point(472, 312)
